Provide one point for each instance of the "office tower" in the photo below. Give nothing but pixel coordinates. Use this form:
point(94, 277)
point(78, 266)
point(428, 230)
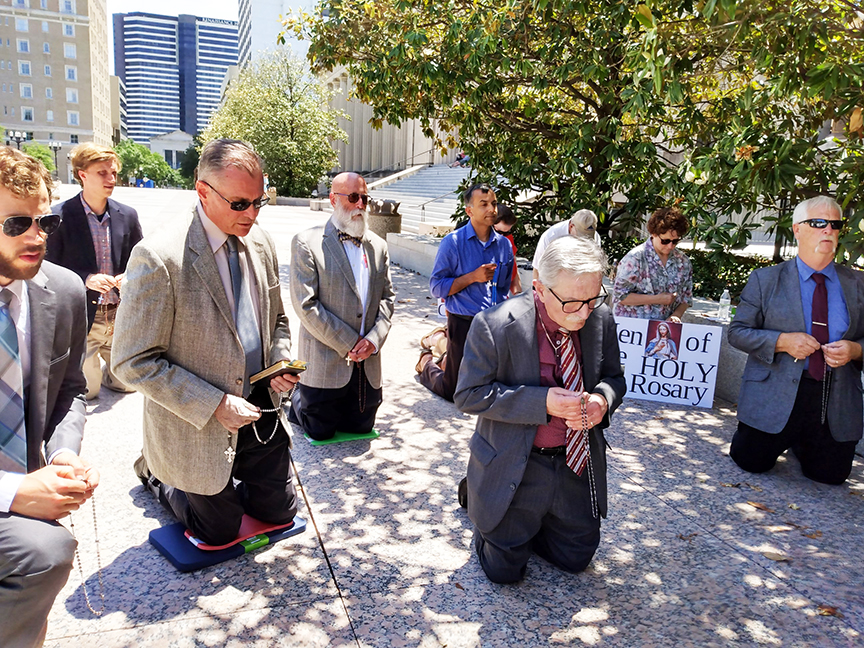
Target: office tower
point(260, 25)
point(54, 81)
point(172, 68)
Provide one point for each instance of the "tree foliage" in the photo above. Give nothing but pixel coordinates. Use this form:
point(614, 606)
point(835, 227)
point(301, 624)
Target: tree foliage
point(281, 109)
point(41, 153)
point(618, 106)
point(137, 161)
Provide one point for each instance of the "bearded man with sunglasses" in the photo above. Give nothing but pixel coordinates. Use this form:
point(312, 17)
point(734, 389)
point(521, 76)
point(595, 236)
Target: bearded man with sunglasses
point(802, 324)
point(95, 242)
point(43, 328)
point(542, 373)
point(342, 292)
point(201, 313)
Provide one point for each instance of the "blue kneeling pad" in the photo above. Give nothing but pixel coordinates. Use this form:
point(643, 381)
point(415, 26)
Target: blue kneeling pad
point(174, 542)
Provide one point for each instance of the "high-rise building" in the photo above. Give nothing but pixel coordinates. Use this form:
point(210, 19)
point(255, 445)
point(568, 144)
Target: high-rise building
point(172, 68)
point(54, 82)
point(261, 23)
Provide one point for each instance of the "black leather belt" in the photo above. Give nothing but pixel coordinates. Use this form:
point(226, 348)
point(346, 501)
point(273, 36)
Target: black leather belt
point(108, 307)
point(549, 452)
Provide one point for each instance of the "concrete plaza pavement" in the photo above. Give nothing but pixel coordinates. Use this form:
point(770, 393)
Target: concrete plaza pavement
point(695, 552)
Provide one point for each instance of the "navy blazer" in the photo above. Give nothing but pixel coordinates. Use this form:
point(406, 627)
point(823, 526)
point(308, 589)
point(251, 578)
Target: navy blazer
point(72, 246)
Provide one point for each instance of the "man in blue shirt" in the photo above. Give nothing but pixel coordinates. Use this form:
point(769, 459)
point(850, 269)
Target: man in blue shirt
point(802, 324)
point(472, 272)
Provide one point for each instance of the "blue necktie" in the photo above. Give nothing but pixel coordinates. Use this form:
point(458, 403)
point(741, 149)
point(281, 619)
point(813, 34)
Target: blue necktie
point(244, 315)
point(13, 439)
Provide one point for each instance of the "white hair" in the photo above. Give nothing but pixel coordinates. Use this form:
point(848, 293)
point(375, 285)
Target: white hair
point(573, 255)
point(802, 210)
point(583, 223)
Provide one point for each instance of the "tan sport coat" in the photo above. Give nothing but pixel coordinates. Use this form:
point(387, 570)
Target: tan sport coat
point(176, 343)
point(324, 296)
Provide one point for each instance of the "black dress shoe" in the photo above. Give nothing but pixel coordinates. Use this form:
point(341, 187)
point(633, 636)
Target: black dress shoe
point(147, 479)
point(463, 493)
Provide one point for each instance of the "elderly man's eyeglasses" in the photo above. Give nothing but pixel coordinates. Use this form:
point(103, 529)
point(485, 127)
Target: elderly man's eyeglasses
point(17, 225)
point(240, 205)
point(354, 197)
point(822, 223)
point(575, 305)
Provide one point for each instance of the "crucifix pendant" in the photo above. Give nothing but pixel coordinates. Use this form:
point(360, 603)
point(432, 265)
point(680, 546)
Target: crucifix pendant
point(229, 454)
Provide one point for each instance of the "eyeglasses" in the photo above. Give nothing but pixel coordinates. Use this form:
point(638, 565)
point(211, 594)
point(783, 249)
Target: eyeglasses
point(354, 197)
point(240, 205)
point(17, 225)
point(822, 223)
point(575, 305)
point(668, 241)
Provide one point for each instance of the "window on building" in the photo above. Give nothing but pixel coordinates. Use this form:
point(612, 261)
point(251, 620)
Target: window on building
point(70, 51)
point(45, 26)
point(71, 73)
point(46, 48)
point(23, 46)
point(43, 4)
point(47, 70)
point(26, 91)
point(68, 30)
point(49, 116)
point(49, 93)
point(72, 95)
point(67, 6)
point(72, 117)
point(21, 25)
point(26, 114)
point(73, 139)
point(21, 4)
point(24, 68)
point(4, 87)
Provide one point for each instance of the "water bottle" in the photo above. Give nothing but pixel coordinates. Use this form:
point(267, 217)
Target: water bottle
point(725, 303)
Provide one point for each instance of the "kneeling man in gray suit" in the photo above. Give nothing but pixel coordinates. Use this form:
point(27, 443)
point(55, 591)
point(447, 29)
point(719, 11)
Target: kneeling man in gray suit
point(542, 372)
point(43, 330)
point(342, 293)
point(201, 313)
point(802, 324)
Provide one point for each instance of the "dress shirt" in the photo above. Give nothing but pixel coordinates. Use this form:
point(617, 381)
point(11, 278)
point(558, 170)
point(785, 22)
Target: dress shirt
point(838, 314)
point(460, 253)
point(100, 233)
point(360, 267)
point(217, 238)
point(554, 433)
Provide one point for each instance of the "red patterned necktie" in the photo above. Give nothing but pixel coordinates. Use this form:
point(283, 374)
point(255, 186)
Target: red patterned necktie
point(571, 374)
point(819, 326)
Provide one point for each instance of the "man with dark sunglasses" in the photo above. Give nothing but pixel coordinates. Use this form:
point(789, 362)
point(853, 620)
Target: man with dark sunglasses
point(95, 242)
point(201, 313)
point(342, 292)
point(542, 373)
point(43, 328)
point(802, 324)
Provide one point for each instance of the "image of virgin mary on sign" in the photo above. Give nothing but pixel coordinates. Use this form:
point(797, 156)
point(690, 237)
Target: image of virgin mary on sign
point(664, 343)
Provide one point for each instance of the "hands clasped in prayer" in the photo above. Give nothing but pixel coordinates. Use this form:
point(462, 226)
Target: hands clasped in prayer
point(803, 345)
point(569, 406)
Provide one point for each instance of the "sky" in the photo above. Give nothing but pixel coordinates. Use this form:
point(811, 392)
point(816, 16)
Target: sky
point(226, 9)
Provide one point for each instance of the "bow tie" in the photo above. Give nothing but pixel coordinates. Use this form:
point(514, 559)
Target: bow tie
point(347, 237)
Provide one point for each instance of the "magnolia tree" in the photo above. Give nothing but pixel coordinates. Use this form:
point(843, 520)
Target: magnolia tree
point(282, 110)
point(619, 107)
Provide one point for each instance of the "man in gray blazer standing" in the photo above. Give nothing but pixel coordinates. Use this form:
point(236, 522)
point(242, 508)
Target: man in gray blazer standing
point(43, 328)
point(802, 324)
point(342, 293)
point(202, 312)
point(542, 372)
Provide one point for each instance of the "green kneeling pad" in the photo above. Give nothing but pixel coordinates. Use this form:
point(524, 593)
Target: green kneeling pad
point(341, 437)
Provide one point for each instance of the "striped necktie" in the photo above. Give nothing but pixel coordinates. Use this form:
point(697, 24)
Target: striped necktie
point(244, 315)
point(13, 439)
point(571, 374)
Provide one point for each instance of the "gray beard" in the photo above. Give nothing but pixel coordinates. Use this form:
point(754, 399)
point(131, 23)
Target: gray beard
point(343, 220)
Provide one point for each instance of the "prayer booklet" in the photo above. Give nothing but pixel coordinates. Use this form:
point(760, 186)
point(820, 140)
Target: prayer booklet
point(282, 367)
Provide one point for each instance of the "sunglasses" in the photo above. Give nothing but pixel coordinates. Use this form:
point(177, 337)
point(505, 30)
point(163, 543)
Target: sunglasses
point(575, 305)
point(17, 225)
point(240, 205)
point(668, 241)
point(354, 197)
point(822, 223)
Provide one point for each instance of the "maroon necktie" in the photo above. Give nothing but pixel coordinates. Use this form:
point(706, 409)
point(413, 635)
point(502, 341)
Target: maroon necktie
point(819, 326)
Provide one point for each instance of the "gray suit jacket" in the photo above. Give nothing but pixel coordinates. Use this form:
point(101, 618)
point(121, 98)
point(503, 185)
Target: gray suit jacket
point(176, 343)
point(499, 380)
point(771, 305)
point(325, 299)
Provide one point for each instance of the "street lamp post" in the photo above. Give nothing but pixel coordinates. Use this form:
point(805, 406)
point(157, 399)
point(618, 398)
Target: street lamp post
point(55, 146)
point(18, 136)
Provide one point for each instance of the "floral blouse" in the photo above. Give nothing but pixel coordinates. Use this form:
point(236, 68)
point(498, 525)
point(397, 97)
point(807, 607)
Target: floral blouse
point(642, 272)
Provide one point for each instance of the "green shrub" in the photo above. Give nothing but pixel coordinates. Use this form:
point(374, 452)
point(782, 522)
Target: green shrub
point(713, 271)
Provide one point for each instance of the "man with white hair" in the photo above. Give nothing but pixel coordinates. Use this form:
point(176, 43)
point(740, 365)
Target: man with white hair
point(802, 324)
point(581, 224)
point(542, 373)
point(342, 293)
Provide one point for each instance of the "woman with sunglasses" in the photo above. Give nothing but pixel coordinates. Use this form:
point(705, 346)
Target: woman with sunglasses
point(654, 280)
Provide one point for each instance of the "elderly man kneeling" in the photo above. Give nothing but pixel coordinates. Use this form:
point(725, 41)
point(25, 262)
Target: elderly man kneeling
point(542, 371)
